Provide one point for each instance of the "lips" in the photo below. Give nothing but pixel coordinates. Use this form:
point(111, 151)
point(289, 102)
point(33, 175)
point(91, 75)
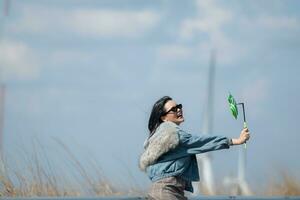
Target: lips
point(179, 115)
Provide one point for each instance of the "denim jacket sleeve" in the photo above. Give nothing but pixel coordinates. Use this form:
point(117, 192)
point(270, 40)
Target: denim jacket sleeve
point(195, 144)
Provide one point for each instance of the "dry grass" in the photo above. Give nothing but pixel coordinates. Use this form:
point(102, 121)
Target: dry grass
point(286, 185)
point(281, 183)
point(39, 178)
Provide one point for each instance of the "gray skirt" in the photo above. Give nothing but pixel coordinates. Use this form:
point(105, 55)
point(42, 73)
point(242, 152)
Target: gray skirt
point(168, 188)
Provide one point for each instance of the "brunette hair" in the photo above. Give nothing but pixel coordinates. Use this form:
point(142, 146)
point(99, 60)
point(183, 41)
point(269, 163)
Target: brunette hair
point(156, 114)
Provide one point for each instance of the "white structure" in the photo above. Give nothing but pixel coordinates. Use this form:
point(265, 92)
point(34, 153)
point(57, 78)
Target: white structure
point(6, 5)
point(204, 160)
point(239, 185)
point(2, 106)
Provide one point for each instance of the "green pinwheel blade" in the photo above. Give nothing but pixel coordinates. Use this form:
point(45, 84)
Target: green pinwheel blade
point(234, 111)
point(233, 106)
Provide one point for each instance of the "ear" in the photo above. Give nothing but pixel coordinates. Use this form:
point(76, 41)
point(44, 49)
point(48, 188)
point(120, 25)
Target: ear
point(163, 118)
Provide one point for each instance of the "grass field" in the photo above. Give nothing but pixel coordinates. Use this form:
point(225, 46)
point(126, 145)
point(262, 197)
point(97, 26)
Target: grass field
point(40, 177)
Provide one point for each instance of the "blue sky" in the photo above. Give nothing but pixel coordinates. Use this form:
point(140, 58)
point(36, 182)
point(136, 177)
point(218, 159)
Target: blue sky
point(88, 73)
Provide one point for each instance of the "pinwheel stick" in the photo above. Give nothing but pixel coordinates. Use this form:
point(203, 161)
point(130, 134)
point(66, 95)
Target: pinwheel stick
point(234, 110)
point(244, 115)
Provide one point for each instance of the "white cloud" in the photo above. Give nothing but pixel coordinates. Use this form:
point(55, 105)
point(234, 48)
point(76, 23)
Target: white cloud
point(106, 23)
point(68, 56)
point(255, 96)
point(174, 52)
point(210, 19)
point(85, 22)
point(233, 34)
point(278, 22)
point(256, 92)
point(17, 61)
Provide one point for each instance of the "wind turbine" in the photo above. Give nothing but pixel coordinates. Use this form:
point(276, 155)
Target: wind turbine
point(2, 106)
point(6, 5)
point(239, 184)
point(205, 160)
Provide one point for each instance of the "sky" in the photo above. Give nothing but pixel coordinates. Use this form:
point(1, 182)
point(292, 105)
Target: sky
point(87, 73)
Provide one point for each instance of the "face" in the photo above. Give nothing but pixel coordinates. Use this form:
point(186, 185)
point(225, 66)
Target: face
point(173, 113)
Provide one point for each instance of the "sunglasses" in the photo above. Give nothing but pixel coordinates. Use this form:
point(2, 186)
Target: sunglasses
point(174, 108)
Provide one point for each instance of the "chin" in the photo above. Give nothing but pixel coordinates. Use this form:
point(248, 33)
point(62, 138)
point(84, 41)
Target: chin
point(180, 121)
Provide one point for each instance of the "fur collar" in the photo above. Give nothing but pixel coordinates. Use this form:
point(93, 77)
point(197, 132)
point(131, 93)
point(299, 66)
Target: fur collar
point(163, 140)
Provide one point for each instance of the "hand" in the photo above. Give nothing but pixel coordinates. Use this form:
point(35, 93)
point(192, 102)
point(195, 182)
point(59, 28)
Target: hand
point(244, 136)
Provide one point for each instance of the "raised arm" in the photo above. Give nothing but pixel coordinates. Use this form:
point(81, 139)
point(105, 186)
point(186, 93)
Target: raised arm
point(195, 144)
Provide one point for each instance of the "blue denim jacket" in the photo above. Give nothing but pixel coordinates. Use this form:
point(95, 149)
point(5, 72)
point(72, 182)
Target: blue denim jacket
point(170, 151)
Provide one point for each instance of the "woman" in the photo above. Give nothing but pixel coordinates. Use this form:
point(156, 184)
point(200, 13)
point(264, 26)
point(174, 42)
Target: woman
point(169, 157)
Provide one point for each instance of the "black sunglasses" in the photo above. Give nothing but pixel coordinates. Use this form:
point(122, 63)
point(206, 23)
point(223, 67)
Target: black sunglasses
point(174, 108)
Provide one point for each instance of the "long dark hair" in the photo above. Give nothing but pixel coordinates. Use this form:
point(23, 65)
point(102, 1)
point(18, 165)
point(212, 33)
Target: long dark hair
point(156, 114)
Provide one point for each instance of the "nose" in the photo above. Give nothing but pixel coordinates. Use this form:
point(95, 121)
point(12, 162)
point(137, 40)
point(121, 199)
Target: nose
point(179, 111)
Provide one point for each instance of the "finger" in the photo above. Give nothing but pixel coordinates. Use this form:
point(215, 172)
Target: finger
point(246, 133)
